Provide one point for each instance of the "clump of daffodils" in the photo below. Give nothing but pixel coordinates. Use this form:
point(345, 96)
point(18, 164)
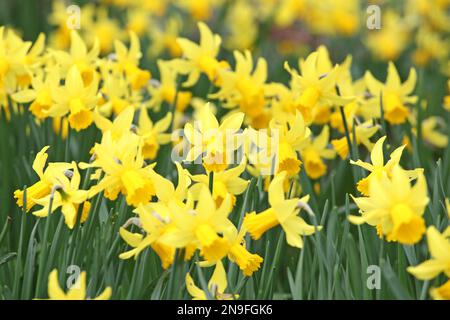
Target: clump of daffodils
point(245, 126)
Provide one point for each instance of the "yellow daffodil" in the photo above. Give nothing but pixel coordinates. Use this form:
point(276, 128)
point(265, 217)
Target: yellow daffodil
point(101, 27)
point(314, 88)
point(396, 95)
point(395, 207)
point(430, 46)
point(225, 183)
point(199, 10)
point(431, 135)
point(166, 38)
point(166, 191)
point(208, 139)
point(75, 99)
point(125, 171)
point(40, 95)
point(121, 125)
point(282, 212)
point(116, 94)
point(154, 221)
point(200, 226)
point(243, 88)
point(238, 253)
point(390, 41)
point(292, 138)
point(363, 132)
point(127, 61)
point(60, 38)
point(200, 58)
point(13, 52)
point(47, 179)
point(78, 57)
point(76, 292)
point(439, 247)
point(33, 61)
point(165, 90)
point(67, 195)
point(314, 153)
point(241, 16)
point(138, 21)
point(288, 11)
point(377, 168)
point(442, 292)
point(153, 133)
point(216, 285)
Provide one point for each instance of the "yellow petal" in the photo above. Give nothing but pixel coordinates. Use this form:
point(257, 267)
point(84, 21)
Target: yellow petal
point(54, 290)
point(376, 156)
point(193, 290)
point(439, 246)
point(105, 295)
point(219, 278)
point(427, 270)
point(40, 160)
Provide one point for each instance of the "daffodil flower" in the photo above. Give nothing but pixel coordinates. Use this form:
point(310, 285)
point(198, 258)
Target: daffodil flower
point(154, 220)
point(120, 126)
point(78, 57)
point(439, 247)
point(282, 212)
point(153, 133)
point(13, 52)
point(127, 61)
point(166, 38)
point(243, 88)
point(314, 88)
point(216, 285)
point(47, 179)
point(431, 134)
point(211, 141)
point(116, 94)
point(40, 94)
point(292, 137)
point(248, 262)
point(377, 168)
point(395, 207)
point(67, 195)
point(396, 95)
point(225, 183)
point(76, 292)
point(165, 90)
point(363, 131)
point(391, 40)
point(122, 161)
point(74, 99)
point(314, 153)
point(201, 226)
point(200, 58)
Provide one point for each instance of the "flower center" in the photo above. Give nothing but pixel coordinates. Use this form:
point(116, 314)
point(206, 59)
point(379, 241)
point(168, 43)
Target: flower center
point(408, 227)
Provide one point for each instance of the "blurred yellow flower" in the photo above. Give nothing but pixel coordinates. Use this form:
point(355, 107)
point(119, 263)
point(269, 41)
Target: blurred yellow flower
point(439, 247)
point(200, 58)
point(396, 95)
point(76, 292)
